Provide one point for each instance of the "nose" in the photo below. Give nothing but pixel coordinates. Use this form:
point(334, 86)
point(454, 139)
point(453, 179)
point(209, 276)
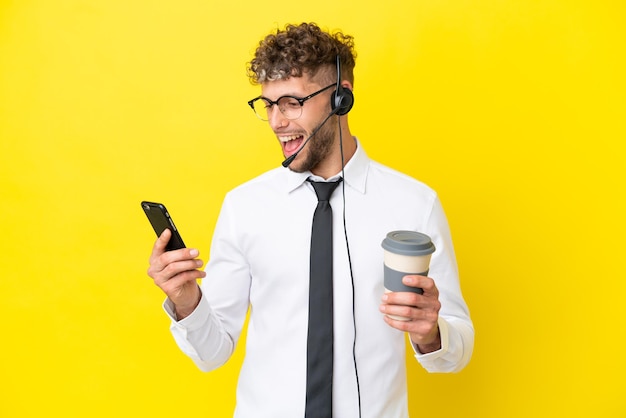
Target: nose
point(276, 118)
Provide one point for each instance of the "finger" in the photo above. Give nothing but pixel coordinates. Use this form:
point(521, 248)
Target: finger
point(402, 298)
point(173, 269)
point(181, 254)
point(409, 304)
point(421, 331)
point(180, 279)
point(419, 317)
point(412, 300)
point(425, 283)
point(164, 238)
point(159, 245)
point(397, 311)
point(176, 267)
point(159, 259)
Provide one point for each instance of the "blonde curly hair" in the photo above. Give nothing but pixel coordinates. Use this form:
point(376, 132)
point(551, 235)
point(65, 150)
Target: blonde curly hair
point(302, 49)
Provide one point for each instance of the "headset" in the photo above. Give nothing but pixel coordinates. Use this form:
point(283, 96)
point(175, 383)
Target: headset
point(341, 101)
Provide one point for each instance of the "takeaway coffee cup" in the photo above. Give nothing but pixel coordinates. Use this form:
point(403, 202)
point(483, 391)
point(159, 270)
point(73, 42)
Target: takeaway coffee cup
point(405, 252)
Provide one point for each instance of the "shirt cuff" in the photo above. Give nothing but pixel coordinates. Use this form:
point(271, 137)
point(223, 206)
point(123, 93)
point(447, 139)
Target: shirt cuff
point(445, 343)
point(194, 321)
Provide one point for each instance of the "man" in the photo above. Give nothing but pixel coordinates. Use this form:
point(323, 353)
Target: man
point(260, 254)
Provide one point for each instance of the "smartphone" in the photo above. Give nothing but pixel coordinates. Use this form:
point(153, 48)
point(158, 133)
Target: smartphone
point(160, 219)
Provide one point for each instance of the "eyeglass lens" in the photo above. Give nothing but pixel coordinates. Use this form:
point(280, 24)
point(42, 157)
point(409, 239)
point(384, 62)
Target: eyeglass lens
point(288, 106)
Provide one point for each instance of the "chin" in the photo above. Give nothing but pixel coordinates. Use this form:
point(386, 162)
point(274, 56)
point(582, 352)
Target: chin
point(297, 168)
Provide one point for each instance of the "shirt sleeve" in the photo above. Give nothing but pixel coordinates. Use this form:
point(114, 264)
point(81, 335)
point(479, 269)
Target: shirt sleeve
point(201, 336)
point(455, 325)
point(210, 334)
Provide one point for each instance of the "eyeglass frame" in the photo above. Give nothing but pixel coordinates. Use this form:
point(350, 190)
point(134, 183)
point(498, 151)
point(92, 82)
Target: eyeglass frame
point(271, 103)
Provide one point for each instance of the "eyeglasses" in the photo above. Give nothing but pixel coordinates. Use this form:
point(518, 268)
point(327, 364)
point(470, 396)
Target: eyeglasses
point(289, 106)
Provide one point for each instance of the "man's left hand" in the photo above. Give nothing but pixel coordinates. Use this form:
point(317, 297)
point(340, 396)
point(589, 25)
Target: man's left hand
point(422, 312)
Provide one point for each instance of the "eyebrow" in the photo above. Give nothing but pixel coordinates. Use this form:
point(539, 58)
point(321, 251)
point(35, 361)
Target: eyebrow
point(300, 95)
point(284, 94)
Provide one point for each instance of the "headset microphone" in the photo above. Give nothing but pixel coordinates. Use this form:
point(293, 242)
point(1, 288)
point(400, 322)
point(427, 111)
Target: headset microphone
point(293, 156)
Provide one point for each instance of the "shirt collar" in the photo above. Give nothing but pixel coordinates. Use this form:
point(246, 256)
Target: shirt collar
point(355, 172)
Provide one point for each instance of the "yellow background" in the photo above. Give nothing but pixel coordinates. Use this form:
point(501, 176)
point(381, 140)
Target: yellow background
point(514, 110)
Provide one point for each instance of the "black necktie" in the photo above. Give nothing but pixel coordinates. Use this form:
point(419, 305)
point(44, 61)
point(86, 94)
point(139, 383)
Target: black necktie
point(319, 384)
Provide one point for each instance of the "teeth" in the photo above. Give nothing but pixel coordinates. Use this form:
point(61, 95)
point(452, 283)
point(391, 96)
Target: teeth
point(288, 138)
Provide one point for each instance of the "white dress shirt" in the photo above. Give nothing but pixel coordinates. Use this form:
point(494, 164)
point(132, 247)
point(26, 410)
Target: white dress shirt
point(260, 261)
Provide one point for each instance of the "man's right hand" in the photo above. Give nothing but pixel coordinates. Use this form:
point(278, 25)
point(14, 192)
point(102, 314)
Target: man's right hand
point(176, 272)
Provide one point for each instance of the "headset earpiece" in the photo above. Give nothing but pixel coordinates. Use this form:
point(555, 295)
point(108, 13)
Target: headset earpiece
point(342, 98)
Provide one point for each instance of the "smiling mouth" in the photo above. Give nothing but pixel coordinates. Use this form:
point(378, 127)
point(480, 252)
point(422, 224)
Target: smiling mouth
point(290, 143)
